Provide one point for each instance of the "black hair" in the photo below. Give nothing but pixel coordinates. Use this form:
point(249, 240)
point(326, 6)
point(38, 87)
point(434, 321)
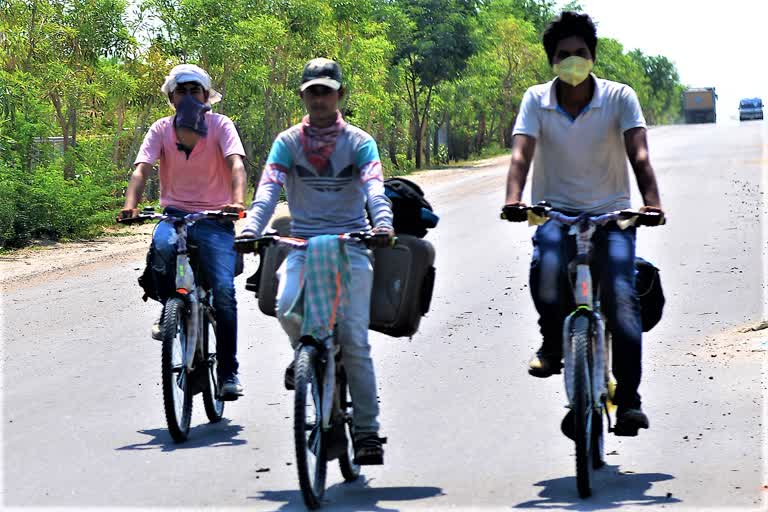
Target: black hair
point(570, 23)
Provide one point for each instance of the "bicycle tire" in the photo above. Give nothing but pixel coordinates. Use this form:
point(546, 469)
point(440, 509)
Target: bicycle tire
point(581, 340)
point(214, 408)
point(598, 434)
point(349, 470)
point(177, 395)
point(311, 462)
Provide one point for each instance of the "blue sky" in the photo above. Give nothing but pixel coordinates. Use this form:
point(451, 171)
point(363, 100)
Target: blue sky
point(719, 44)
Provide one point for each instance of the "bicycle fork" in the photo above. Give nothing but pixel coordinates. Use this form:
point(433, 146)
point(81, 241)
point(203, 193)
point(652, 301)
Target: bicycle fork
point(329, 382)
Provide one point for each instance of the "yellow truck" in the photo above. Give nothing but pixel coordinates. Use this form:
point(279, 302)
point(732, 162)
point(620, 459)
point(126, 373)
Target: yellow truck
point(699, 105)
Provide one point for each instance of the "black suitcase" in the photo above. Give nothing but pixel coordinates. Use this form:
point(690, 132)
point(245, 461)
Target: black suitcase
point(264, 282)
point(403, 280)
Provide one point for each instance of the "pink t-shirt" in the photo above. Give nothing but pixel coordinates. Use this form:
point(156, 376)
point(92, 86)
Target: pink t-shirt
point(202, 182)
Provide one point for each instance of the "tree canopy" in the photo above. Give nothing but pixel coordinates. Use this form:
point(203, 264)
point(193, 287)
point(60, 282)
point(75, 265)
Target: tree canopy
point(431, 80)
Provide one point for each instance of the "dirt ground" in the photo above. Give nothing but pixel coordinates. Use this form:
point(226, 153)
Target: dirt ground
point(41, 262)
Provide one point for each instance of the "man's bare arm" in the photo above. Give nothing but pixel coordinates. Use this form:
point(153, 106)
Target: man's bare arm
point(636, 143)
point(135, 190)
point(235, 163)
point(523, 147)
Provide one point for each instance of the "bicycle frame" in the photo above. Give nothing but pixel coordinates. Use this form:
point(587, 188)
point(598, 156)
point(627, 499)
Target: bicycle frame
point(186, 285)
point(329, 399)
point(587, 300)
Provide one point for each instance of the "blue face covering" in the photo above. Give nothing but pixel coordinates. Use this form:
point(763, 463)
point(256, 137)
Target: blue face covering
point(190, 114)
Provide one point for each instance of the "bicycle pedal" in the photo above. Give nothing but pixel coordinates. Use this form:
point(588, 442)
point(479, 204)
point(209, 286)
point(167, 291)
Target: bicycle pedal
point(230, 397)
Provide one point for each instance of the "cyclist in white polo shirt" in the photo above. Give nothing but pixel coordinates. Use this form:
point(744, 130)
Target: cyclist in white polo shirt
point(579, 131)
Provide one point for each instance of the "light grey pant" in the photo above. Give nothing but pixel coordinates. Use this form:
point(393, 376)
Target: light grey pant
point(352, 328)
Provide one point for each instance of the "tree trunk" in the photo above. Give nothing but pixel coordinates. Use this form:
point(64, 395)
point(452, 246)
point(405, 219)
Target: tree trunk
point(409, 147)
point(436, 143)
point(69, 163)
point(118, 133)
point(417, 143)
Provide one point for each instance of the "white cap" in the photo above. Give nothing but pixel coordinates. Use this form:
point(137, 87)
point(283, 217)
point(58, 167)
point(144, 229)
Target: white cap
point(184, 73)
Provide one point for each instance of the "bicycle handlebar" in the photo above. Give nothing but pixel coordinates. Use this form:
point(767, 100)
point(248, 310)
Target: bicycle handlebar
point(514, 213)
point(148, 214)
point(371, 241)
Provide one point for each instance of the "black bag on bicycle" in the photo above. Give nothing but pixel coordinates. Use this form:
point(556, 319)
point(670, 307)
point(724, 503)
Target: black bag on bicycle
point(412, 213)
point(157, 285)
point(650, 293)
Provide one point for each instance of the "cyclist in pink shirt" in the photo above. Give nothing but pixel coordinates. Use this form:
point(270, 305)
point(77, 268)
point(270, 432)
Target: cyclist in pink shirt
point(201, 168)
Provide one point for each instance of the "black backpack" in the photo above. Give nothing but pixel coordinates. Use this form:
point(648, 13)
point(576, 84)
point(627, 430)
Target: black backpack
point(413, 214)
point(648, 286)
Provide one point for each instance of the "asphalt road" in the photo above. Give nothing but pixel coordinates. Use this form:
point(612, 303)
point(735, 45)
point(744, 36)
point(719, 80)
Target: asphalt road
point(83, 423)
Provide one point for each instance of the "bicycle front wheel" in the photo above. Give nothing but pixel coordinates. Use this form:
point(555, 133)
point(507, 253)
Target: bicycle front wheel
point(349, 470)
point(581, 340)
point(177, 395)
point(311, 459)
point(214, 408)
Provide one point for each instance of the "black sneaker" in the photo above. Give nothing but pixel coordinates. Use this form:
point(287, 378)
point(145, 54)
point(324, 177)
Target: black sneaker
point(368, 449)
point(629, 421)
point(230, 388)
point(288, 380)
point(544, 365)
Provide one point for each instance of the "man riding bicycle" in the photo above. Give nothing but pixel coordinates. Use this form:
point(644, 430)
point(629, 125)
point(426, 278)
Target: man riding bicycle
point(331, 171)
point(201, 168)
point(579, 130)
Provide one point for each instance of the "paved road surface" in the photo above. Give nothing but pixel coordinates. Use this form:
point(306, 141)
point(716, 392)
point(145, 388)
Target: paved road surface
point(83, 423)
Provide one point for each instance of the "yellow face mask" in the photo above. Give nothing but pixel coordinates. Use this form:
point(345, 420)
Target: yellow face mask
point(573, 70)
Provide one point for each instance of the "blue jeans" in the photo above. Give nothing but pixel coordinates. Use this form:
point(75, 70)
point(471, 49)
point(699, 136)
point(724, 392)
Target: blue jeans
point(352, 328)
point(613, 267)
point(216, 259)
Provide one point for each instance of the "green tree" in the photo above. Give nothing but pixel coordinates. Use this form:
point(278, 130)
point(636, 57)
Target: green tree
point(433, 43)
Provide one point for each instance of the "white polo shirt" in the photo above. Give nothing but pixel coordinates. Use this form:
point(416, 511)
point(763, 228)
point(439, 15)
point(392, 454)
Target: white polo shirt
point(580, 164)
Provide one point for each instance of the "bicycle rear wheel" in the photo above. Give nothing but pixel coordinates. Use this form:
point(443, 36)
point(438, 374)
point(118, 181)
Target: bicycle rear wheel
point(177, 395)
point(349, 470)
point(582, 405)
point(214, 408)
point(311, 462)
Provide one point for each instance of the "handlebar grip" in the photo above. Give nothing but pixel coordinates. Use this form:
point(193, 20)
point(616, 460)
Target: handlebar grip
point(130, 220)
point(379, 240)
point(514, 213)
point(651, 219)
point(246, 245)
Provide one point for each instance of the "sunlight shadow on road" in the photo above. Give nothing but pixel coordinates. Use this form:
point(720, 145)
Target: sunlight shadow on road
point(208, 435)
point(354, 496)
point(611, 489)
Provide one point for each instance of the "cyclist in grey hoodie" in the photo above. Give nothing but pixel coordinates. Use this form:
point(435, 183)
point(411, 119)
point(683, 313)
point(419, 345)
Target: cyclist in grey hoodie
point(331, 171)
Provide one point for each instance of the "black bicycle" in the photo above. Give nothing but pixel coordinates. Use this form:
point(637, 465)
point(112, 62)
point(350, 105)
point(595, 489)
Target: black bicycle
point(322, 421)
point(589, 384)
point(188, 327)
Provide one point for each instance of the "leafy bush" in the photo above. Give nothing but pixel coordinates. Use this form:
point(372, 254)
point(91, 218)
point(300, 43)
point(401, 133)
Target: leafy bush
point(44, 204)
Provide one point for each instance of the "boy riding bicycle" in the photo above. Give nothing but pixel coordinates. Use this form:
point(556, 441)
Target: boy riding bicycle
point(201, 168)
point(579, 130)
point(331, 172)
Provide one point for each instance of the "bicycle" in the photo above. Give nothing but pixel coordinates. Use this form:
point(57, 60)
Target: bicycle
point(589, 384)
point(322, 422)
point(188, 362)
